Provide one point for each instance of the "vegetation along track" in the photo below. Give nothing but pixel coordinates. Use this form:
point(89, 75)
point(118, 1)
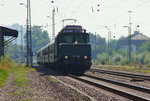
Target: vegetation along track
point(130, 75)
point(132, 92)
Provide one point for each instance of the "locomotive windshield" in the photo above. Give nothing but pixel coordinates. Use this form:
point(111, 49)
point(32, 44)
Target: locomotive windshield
point(67, 39)
point(72, 38)
point(80, 39)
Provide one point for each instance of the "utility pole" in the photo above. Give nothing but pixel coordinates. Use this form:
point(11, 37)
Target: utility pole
point(28, 36)
point(53, 21)
point(129, 29)
point(53, 24)
point(16, 50)
point(1, 43)
point(22, 44)
point(109, 41)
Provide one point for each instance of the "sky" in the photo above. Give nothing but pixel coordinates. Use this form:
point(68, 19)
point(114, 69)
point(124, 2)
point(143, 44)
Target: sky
point(93, 15)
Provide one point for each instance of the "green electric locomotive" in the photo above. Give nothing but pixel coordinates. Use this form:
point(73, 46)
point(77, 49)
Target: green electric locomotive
point(70, 52)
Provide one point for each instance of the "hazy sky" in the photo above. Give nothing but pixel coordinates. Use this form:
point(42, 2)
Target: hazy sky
point(112, 13)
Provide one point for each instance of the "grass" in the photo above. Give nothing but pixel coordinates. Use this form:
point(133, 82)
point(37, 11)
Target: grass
point(53, 79)
point(16, 93)
point(5, 65)
point(20, 76)
point(3, 76)
point(32, 69)
point(20, 79)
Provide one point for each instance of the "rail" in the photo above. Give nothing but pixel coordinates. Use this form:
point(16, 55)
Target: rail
point(120, 92)
point(131, 75)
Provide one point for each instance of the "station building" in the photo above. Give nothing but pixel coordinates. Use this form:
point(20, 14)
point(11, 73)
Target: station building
point(137, 39)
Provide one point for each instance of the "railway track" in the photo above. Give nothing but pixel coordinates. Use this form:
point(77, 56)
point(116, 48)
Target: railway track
point(130, 75)
point(132, 92)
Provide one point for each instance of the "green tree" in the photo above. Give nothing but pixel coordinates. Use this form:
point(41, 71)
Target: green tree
point(98, 45)
point(103, 58)
point(113, 44)
point(39, 38)
point(122, 52)
point(145, 46)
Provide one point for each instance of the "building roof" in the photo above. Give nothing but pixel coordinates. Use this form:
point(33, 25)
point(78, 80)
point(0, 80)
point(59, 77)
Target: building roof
point(9, 32)
point(137, 36)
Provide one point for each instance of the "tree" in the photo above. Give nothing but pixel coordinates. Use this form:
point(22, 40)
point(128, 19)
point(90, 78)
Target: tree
point(98, 45)
point(145, 46)
point(113, 44)
point(122, 52)
point(39, 38)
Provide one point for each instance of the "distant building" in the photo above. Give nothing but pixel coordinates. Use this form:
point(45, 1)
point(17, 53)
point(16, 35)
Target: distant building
point(137, 39)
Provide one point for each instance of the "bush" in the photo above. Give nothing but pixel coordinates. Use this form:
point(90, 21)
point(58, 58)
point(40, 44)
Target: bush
point(148, 65)
point(147, 58)
point(103, 58)
point(124, 62)
point(117, 59)
point(5, 63)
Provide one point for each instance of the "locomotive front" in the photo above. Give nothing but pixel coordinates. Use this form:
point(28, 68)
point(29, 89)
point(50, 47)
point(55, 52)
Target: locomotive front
point(74, 53)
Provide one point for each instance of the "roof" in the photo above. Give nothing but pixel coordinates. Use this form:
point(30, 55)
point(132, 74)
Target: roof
point(137, 36)
point(9, 32)
point(73, 28)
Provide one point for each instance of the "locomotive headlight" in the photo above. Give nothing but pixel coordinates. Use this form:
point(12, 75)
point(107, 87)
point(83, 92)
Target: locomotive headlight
point(66, 57)
point(75, 42)
point(85, 57)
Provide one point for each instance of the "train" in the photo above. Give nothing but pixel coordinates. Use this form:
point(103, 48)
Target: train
point(70, 52)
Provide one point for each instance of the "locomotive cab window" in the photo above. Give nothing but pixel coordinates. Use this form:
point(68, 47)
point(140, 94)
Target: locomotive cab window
point(81, 38)
point(67, 39)
point(71, 38)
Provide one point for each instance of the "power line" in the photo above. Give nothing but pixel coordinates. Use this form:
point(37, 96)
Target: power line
point(81, 4)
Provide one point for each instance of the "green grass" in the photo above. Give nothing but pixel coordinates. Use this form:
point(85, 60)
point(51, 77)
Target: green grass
point(16, 93)
point(53, 79)
point(5, 65)
point(19, 70)
point(3, 76)
point(20, 76)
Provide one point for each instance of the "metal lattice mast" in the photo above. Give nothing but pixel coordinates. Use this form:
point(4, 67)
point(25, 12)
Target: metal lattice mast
point(29, 40)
